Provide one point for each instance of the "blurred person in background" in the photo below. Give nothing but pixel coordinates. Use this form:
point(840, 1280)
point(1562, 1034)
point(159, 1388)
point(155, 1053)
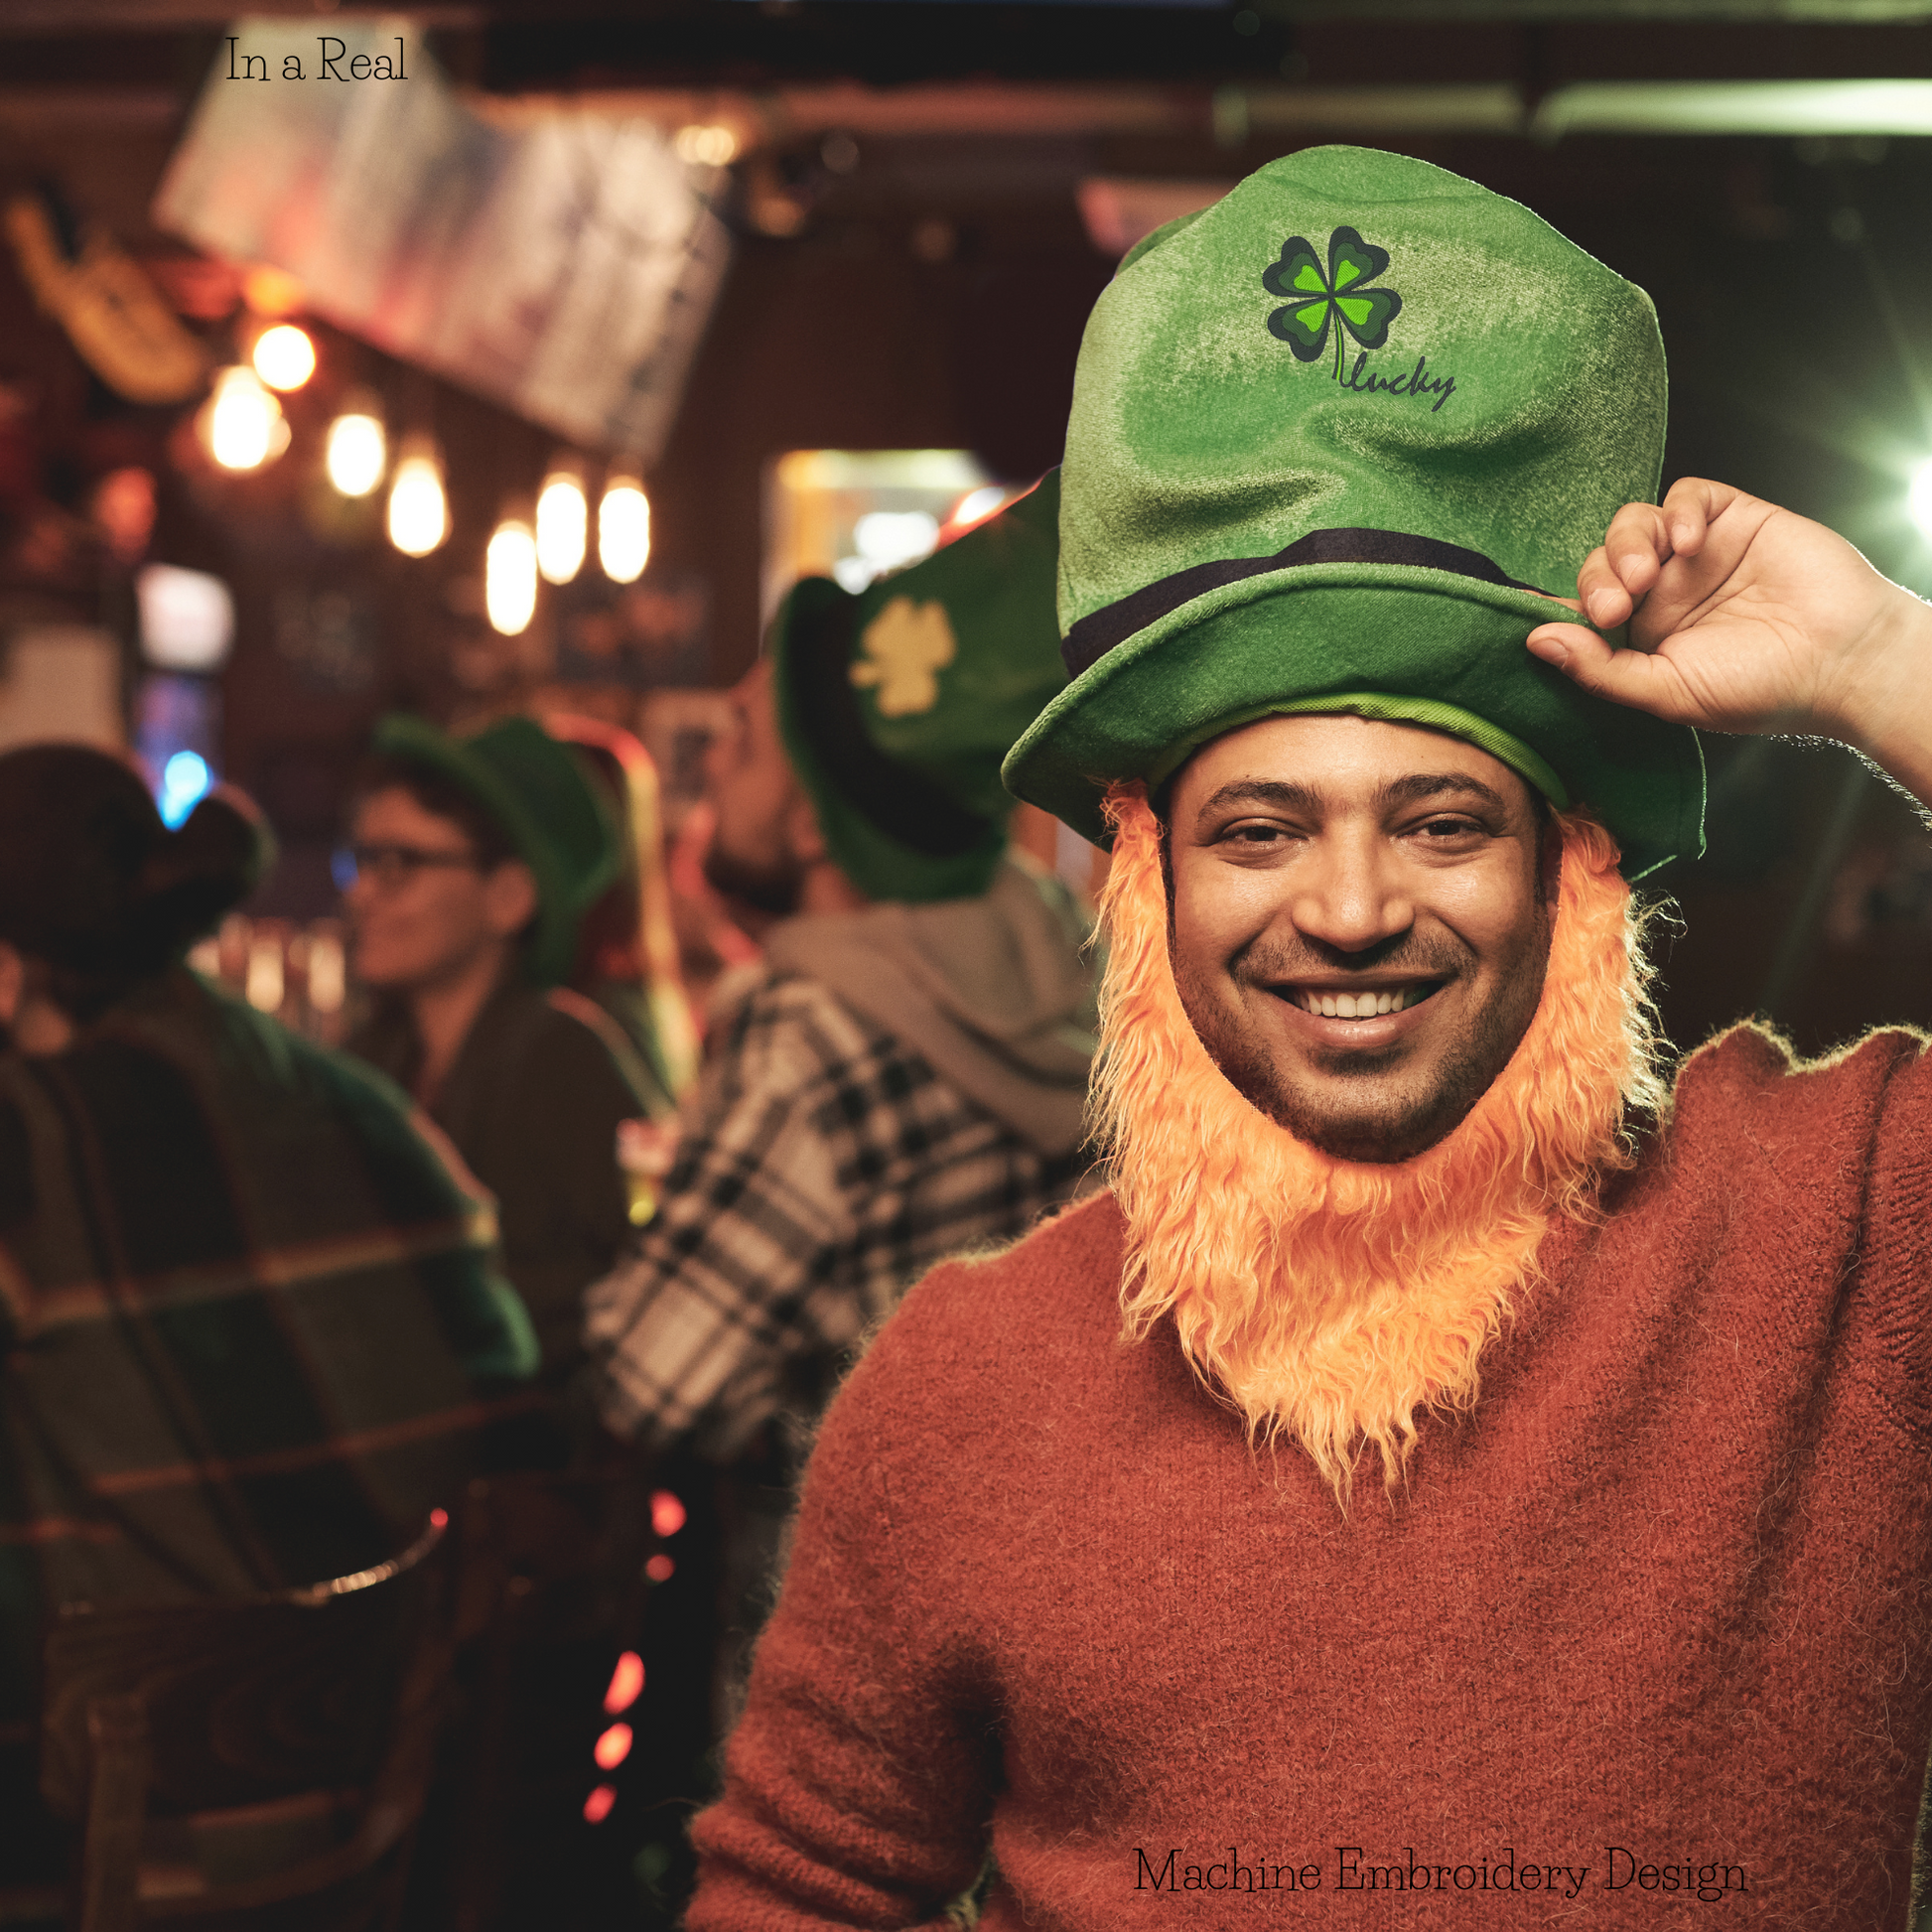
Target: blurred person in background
point(906, 1073)
point(476, 859)
point(249, 1320)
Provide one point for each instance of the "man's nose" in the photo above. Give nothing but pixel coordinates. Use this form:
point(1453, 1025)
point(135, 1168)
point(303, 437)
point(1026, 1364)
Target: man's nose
point(1350, 894)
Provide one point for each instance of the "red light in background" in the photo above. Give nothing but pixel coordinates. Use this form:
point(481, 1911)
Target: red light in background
point(659, 1568)
point(666, 1513)
point(439, 1519)
point(625, 1682)
point(613, 1747)
point(596, 1806)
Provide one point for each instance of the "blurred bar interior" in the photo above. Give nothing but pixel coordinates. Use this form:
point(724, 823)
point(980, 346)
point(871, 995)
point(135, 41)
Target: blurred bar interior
point(528, 378)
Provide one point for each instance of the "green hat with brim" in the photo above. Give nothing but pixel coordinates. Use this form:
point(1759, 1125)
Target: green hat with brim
point(1336, 442)
point(547, 804)
point(897, 706)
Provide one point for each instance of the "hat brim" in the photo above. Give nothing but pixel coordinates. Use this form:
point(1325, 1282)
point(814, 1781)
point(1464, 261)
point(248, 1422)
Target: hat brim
point(1333, 630)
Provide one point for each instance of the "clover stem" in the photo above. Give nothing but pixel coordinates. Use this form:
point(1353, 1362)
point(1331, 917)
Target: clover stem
point(1335, 323)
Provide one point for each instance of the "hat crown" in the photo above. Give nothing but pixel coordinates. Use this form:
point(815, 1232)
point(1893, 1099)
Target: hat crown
point(899, 705)
point(1357, 340)
point(555, 799)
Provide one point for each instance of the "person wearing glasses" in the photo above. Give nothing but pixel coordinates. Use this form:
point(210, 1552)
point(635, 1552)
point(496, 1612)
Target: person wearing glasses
point(469, 865)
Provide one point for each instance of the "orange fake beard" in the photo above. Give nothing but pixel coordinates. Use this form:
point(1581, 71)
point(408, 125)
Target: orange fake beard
point(1334, 1302)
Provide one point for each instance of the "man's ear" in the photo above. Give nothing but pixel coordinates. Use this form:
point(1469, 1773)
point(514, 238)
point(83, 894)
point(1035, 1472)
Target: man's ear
point(13, 983)
point(1549, 855)
point(510, 898)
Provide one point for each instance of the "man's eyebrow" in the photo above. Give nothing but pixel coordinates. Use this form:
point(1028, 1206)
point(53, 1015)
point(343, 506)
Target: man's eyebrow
point(1282, 792)
point(1412, 789)
point(1420, 785)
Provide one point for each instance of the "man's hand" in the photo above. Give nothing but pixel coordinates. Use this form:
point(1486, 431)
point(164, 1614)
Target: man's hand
point(1744, 617)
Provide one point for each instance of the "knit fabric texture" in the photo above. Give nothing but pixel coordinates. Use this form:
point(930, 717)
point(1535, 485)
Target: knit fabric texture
point(1343, 436)
point(1660, 1603)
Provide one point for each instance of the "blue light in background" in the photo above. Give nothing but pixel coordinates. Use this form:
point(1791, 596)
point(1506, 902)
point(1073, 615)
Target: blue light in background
point(185, 779)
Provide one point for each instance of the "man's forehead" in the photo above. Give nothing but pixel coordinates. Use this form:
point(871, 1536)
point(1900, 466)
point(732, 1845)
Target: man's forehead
point(397, 808)
point(1337, 759)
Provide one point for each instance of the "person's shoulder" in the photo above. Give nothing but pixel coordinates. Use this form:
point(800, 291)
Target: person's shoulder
point(1750, 1082)
point(984, 1345)
point(1055, 1286)
point(552, 1047)
point(242, 1055)
point(787, 1029)
point(582, 1036)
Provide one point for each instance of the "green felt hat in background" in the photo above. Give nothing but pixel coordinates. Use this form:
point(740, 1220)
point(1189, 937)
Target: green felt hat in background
point(898, 705)
point(1331, 438)
point(546, 802)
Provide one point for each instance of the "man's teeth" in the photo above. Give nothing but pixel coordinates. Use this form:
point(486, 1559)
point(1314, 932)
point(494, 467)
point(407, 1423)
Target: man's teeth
point(1361, 1006)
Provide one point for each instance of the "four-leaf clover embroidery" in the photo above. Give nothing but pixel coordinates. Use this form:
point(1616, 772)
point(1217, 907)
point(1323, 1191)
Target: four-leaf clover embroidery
point(1342, 294)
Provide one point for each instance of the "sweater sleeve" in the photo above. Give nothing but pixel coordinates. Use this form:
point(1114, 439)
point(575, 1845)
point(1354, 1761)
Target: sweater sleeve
point(860, 1779)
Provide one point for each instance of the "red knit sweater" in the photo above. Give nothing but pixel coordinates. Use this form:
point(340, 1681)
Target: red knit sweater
point(1652, 1622)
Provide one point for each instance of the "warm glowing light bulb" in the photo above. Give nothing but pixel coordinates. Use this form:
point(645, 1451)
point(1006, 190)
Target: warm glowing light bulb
point(1919, 499)
point(419, 512)
point(284, 357)
point(357, 452)
point(242, 424)
point(626, 1681)
point(710, 146)
point(612, 1747)
point(624, 529)
point(563, 526)
point(511, 578)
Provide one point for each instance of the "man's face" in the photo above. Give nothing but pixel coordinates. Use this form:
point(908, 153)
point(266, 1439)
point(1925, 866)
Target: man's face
point(422, 910)
point(1326, 863)
point(750, 785)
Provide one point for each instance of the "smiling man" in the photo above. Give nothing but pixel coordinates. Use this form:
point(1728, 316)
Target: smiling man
point(1449, 1459)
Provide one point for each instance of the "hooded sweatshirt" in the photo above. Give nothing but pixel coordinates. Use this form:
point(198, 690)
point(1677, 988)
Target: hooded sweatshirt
point(996, 993)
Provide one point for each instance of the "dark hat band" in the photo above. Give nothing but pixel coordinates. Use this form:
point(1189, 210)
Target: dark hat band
point(898, 802)
point(1093, 637)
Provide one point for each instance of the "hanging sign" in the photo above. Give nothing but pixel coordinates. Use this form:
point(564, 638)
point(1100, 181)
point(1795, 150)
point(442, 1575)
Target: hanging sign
point(561, 263)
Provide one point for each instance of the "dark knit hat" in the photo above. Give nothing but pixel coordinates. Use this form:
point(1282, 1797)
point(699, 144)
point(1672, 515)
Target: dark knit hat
point(1336, 442)
point(898, 705)
point(548, 806)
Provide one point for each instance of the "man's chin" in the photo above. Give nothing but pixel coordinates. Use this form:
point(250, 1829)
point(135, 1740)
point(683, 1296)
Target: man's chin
point(1374, 1107)
point(772, 891)
point(1377, 1135)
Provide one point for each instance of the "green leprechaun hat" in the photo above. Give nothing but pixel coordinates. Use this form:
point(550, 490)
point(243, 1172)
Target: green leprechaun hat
point(547, 803)
point(1335, 441)
point(898, 705)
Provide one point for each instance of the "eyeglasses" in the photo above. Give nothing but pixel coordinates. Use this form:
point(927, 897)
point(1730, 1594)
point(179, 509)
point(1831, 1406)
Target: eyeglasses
point(390, 866)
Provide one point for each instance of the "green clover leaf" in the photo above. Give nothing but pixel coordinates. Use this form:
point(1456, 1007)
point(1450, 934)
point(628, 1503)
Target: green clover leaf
point(1314, 298)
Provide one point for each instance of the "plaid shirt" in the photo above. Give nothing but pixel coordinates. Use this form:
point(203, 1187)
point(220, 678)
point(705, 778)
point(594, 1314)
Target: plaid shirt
point(823, 1168)
point(249, 1323)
